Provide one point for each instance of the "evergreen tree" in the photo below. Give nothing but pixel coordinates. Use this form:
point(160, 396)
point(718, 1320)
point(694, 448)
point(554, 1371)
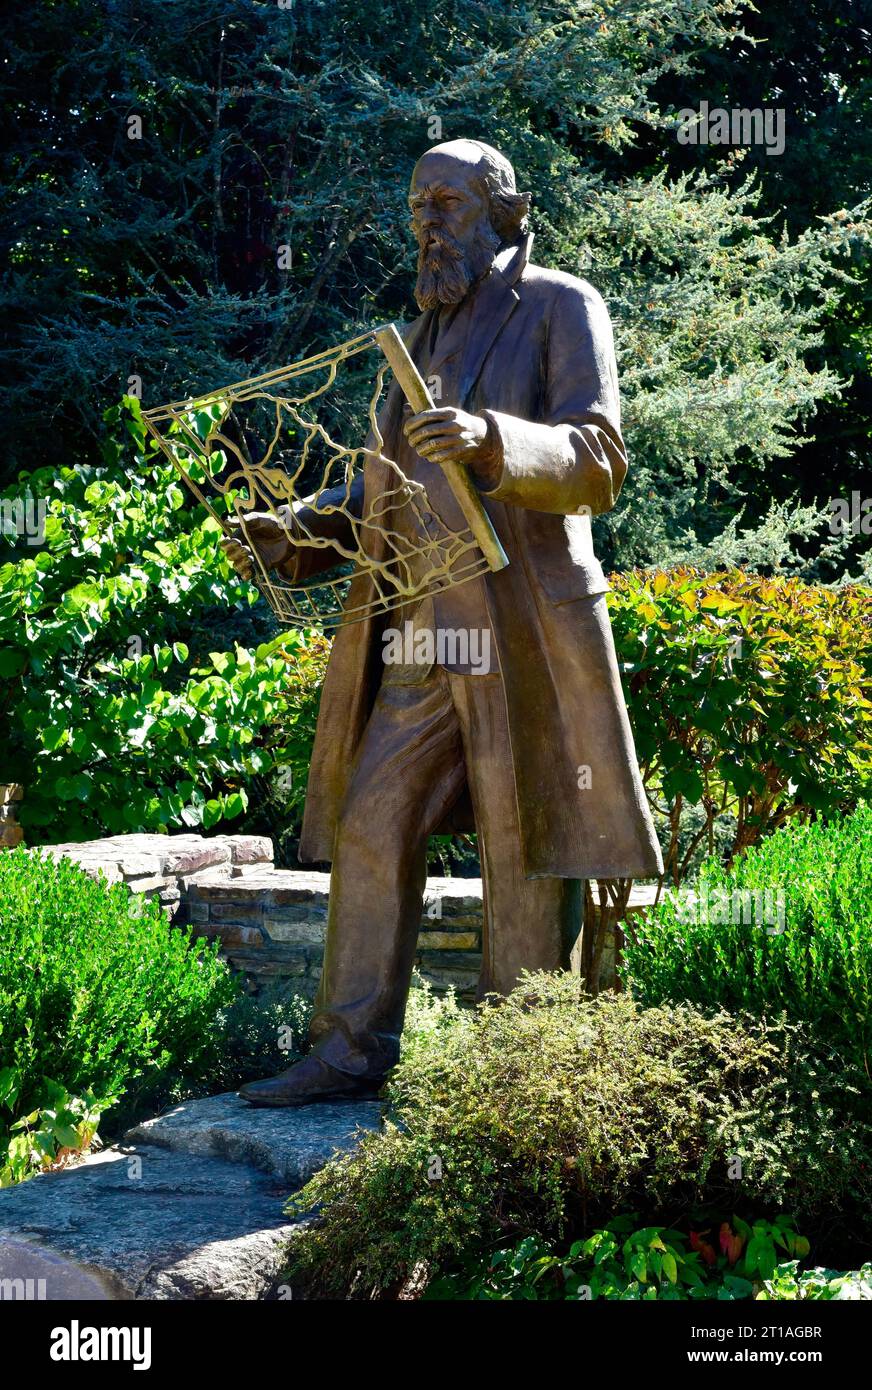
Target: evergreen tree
point(199, 194)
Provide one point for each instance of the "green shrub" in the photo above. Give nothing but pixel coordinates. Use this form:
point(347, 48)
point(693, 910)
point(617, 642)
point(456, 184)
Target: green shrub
point(749, 702)
point(651, 1263)
point(60, 1127)
point(130, 702)
point(789, 927)
point(546, 1114)
point(789, 1283)
point(97, 991)
point(253, 1037)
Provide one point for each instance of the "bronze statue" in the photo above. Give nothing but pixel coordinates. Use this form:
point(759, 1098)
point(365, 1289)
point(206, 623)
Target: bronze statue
point(528, 743)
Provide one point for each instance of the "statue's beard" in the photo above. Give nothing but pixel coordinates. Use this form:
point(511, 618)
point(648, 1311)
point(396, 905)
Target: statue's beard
point(448, 269)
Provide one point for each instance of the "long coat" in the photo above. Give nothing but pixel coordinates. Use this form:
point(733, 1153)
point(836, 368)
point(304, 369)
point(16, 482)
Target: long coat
point(538, 362)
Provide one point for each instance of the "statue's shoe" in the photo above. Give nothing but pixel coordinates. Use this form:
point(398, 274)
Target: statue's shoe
point(309, 1081)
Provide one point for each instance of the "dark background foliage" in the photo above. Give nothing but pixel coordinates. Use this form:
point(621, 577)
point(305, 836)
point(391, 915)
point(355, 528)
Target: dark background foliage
point(270, 125)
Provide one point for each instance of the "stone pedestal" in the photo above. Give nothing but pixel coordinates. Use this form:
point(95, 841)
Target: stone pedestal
point(191, 1206)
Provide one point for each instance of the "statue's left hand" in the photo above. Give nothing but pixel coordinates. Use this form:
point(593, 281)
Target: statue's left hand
point(449, 435)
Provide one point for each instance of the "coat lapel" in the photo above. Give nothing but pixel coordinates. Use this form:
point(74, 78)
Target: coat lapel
point(494, 304)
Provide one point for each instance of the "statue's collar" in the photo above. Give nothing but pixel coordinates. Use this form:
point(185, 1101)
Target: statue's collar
point(511, 262)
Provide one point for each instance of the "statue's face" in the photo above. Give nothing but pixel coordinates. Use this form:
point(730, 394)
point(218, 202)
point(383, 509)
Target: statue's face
point(451, 223)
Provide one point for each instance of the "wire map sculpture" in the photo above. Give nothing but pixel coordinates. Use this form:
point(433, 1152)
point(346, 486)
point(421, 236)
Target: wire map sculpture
point(208, 439)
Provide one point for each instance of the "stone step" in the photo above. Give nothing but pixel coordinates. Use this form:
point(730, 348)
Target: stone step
point(190, 1206)
point(147, 1223)
point(290, 1145)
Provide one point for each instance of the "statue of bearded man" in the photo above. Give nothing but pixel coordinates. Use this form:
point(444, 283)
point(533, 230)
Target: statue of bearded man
point(529, 743)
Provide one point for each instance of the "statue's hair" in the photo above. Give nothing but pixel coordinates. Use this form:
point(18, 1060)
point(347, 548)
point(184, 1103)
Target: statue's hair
point(508, 214)
point(509, 209)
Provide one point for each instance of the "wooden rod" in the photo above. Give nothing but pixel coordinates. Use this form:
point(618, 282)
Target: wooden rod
point(414, 388)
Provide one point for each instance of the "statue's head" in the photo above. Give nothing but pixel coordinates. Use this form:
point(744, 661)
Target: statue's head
point(465, 207)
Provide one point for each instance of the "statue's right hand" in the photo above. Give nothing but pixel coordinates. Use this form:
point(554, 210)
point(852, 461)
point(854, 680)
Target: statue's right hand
point(261, 532)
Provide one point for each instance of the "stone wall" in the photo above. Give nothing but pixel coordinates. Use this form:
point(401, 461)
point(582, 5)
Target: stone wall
point(270, 922)
point(164, 866)
point(271, 925)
